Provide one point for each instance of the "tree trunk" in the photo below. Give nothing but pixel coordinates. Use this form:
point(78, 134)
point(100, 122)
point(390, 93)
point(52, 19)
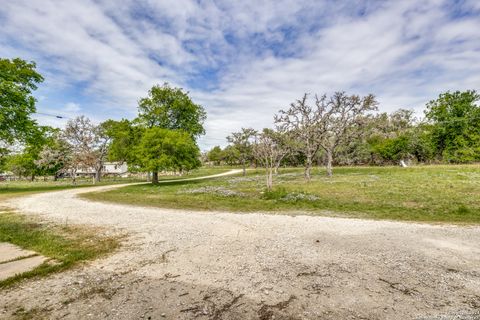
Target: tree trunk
point(308, 168)
point(98, 175)
point(269, 179)
point(329, 163)
point(155, 177)
point(277, 165)
point(244, 167)
point(33, 178)
point(55, 177)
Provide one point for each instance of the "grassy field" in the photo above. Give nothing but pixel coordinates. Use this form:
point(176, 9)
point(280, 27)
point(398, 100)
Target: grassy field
point(9, 189)
point(423, 193)
point(204, 171)
point(18, 188)
point(66, 245)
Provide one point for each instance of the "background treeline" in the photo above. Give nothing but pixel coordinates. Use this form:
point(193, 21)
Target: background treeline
point(449, 133)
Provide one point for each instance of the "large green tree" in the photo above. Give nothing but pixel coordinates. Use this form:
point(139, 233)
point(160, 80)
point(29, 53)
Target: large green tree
point(455, 117)
point(164, 149)
point(18, 79)
point(171, 108)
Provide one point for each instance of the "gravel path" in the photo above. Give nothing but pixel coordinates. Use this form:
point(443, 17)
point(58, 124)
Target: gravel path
point(179, 264)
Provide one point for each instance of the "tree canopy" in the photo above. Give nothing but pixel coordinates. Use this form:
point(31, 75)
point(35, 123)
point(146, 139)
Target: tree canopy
point(124, 137)
point(216, 155)
point(456, 125)
point(171, 108)
point(18, 79)
point(163, 149)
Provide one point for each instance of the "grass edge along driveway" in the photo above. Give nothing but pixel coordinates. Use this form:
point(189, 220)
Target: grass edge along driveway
point(440, 193)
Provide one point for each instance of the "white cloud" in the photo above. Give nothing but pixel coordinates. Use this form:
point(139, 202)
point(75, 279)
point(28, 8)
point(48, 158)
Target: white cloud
point(72, 107)
point(265, 54)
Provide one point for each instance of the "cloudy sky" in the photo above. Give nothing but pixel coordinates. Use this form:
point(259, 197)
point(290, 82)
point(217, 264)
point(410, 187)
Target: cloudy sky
point(242, 60)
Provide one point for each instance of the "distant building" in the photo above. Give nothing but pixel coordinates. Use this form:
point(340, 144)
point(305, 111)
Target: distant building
point(6, 176)
point(109, 169)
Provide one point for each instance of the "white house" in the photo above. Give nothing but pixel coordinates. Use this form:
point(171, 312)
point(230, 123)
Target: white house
point(109, 168)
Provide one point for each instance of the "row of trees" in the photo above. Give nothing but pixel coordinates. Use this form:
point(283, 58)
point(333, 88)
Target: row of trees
point(339, 129)
point(346, 130)
point(162, 137)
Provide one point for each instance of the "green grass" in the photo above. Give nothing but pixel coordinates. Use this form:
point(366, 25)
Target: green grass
point(423, 193)
point(204, 171)
point(9, 189)
point(67, 245)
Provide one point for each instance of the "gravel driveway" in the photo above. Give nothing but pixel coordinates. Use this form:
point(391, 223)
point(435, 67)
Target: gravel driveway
point(179, 264)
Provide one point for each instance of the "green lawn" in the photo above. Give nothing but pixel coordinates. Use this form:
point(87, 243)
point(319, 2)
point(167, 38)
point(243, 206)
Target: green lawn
point(9, 189)
point(18, 188)
point(204, 171)
point(424, 193)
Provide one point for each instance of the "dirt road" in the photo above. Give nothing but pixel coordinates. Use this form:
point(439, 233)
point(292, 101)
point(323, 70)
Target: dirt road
point(178, 264)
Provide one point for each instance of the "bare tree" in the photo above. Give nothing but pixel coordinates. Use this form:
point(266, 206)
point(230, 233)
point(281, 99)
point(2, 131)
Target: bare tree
point(303, 123)
point(269, 149)
point(324, 125)
point(89, 144)
point(243, 142)
point(55, 158)
point(339, 115)
point(286, 144)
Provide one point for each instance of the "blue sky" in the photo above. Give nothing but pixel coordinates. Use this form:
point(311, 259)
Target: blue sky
point(242, 60)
